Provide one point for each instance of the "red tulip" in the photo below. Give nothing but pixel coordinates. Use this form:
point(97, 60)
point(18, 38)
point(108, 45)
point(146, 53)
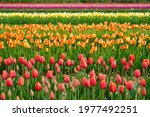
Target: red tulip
point(25, 62)
point(103, 84)
point(21, 81)
point(132, 57)
point(63, 56)
point(80, 56)
point(68, 62)
point(104, 63)
point(112, 87)
point(111, 60)
point(121, 89)
point(118, 79)
point(145, 63)
point(78, 68)
point(7, 62)
point(1, 59)
point(137, 73)
point(4, 75)
point(131, 63)
point(58, 70)
point(9, 82)
point(61, 87)
point(113, 65)
point(92, 81)
point(12, 74)
point(49, 74)
point(125, 82)
point(14, 61)
point(123, 61)
point(101, 76)
point(35, 73)
point(60, 61)
point(72, 62)
point(83, 63)
point(38, 86)
point(92, 74)
point(90, 61)
point(56, 65)
point(75, 82)
point(37, 57)
point(143, 91)
point(42, 59)
point(106, 68)
point(129, 85)
point(11, 59)
point(29, 65)
point(20, 60)
point(84, 81)
point(66, 79)
point(52, 60)
point(143, 82)
point(52, 96)
point(100, 59)
point(27, 75)
point(126, 67)
point(32, 60)
point(2, 96)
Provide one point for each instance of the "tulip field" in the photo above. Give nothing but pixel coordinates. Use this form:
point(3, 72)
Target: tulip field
point(87, 56)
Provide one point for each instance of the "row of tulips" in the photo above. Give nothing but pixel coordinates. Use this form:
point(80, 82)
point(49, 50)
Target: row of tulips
point(65, 78)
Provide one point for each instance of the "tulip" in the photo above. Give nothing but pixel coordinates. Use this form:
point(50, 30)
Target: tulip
point(78, 68)
point(92, 74)
point(52, 96)
point(121, 89)
point(92, 81)
point(143, 82)
point(11, 59)
point(84, 81)
point(145, 64)
point(9, 82)
point(21, 81)
point(103, 84)
point(20, 60)
point(52, 60)
point(90, 61)
point(61, 87)
point(29, 65)
point(42, 59)
point(75, 82)
point(58, 70)
point(7, 62)
point(112, 87)
point(2, 96)
point(68, 62)
point(49, 74)
point(35, 73)
point(137, 73)
point(27, 75)
point(113, 64)
point(118, 79)
point(66, 79)
point(38, 86)
point(101, 76)
point(143, 91)
point(80, 56)
point(1, 59)
point(37, 57)
point(129, 85)
point(126, 67)
point(132, 57)
point(63, 56)
point(12, 74)
point(4, 75)
point(32, 61)
point(60, 61)
point(123, 61)
point(14, 61)
point(130, 63)
point(111, 60)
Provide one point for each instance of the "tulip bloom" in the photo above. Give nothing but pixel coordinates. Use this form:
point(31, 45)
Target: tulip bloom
point(12, 74)
point(27, 75)
point(4, 75)
point(113, 65)
point(121, 89)
point(52, 96)
point(63, 56)
point(61, 87)
point(143, 82)
point(49, 74)
point(92, 81)
point(2, 96)
point(103, 84)
point(129, 85)
point(9, 82)
point(66, 79)
point(112, 87)
point(38, 86)
point(52, 60)
point(118, 79)
point(21, 81)
point(132, 57)
point(35, 73)
point(137, 73)
point(143, 91)
point(123, 61)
